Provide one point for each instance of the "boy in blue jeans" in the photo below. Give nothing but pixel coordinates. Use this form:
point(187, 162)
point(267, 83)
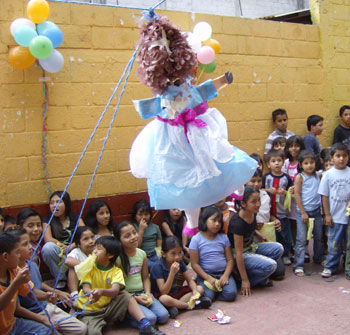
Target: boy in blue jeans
point(13, 282)
point(103, 282)
point(335, 191)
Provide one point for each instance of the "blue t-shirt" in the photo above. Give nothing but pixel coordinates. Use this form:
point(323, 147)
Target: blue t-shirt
point(26, 301)
point(160, 270)
point(312, 143)
point(335, 184)
point(211, 254)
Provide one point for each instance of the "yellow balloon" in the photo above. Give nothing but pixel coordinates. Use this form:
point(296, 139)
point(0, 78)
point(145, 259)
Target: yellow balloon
point(214, 44)
point(38, 10)
point(21, 58)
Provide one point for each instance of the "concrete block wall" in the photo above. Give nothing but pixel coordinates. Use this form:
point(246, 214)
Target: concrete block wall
point(274, 65)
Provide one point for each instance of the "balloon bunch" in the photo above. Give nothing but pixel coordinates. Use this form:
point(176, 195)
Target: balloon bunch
point(37, 39)
point(205, 47)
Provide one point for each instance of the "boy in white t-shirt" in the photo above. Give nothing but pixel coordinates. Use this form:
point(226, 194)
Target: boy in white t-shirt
point(335, 191)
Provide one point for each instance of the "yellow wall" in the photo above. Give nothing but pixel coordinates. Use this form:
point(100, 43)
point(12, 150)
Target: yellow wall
point(274, 65)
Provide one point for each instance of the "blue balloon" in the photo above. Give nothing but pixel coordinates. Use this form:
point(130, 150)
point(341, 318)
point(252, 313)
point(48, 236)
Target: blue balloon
point(24, 34)
point(55, 35)
point(45, 25)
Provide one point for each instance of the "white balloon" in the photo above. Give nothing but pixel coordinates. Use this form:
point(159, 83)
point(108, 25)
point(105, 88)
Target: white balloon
point(53, 63)
point(194, 42)
point(202, 30)
point(21, 22)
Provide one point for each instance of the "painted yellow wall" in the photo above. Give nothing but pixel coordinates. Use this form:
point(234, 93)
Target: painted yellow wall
point(274, 65)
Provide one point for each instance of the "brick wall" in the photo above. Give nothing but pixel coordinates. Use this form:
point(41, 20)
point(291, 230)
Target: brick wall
point(274, 64)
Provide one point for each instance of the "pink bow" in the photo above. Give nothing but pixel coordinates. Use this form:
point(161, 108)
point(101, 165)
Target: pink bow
point(188, 117)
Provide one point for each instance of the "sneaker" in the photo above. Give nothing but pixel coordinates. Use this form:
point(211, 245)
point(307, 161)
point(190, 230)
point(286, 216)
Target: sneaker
point(173, 312)
point(151, 330)
point(203, 302)
point(326, 273)
point(286, 260)
point(299, 272)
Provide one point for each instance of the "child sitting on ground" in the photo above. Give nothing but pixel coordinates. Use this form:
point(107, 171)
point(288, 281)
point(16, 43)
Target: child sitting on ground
point(149, 233)
point(99, 218)
point(13, 282)
point(85, 242)
point(9, 223)
point(164, 277)
point(44, 292)
point(1, 220)
point(103, 282)
point(227, 209)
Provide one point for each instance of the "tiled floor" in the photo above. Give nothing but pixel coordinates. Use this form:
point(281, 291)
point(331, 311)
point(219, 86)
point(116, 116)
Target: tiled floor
point(307, 305)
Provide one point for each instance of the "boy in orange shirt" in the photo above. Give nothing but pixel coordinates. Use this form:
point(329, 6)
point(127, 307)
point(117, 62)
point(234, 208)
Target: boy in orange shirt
point(13, 282)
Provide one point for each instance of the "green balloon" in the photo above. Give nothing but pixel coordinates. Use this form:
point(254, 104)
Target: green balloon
point(40, 47)
point(208, 68)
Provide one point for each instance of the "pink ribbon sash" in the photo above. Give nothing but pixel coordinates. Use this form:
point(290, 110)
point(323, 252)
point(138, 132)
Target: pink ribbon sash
point(188, 117)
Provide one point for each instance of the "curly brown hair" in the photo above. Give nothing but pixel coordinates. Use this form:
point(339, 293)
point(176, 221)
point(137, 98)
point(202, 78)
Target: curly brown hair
point(158, 68)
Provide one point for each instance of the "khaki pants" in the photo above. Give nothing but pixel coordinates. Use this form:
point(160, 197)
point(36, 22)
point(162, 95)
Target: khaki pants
point(67, 327)
point(115, 311)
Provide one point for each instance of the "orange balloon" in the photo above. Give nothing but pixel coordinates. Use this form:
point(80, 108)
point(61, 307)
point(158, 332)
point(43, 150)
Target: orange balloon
point(214, 44)
point(38, 10)
point(21, 58)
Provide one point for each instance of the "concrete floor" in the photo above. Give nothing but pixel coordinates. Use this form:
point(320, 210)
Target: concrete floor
point(295, 305)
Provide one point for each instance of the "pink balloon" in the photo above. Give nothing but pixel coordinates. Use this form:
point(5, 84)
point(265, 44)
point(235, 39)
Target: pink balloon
point(206, 54)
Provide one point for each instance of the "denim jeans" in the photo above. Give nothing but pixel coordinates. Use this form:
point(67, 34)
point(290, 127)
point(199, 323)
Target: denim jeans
point(50, 253)
point(261, 264)
point(228, 293)
point(301, 242)
point(29, 327)
point(156, 313)
point(336, 234)
point(283, 236)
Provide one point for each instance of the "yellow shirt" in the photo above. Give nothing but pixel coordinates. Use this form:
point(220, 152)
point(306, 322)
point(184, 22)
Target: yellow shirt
point(102, 278)
point(7, 318)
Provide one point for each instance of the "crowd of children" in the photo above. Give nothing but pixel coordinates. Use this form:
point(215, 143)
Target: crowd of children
point(136, 272)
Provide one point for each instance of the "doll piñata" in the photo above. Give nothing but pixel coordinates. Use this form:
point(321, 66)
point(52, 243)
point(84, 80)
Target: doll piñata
point(184, 152)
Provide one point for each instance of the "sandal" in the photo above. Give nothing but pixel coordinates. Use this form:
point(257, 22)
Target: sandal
point(299, 272)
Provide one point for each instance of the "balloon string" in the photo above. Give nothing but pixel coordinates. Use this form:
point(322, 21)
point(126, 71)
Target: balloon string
point(200, 75)
point(45, 173)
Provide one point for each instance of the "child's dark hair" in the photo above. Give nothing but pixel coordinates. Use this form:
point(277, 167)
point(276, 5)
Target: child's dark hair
point(293, 139)
point(9, 220)
point(206, 213)
point(18, 232)
point(2, 213)
point(111, 245)
point(339, 147)
point(274, 153)
point(257, 157)
point(257, 173)
point(24, 214)
point(117, 229)
point(79, 232)
point(248, 191)
point(342, 109)
point(279, 111)
point(175, 229)
point(56, 225)
point(170, 242)
point(312, 120)
point(91, 220)
point(303, 155)
point(8, 242)
point(278, 140)
point(143, 205)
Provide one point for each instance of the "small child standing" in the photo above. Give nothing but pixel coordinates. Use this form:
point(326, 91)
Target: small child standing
point(104, 282)
point(149, 233)
point(211, 257)
point(164, 277)
point(276, 183)
point(308, 206)
point(280, 120)
point(315, 127)
point(335, 191)
point(13, 282)
point(342, 132)
point(279, 143)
